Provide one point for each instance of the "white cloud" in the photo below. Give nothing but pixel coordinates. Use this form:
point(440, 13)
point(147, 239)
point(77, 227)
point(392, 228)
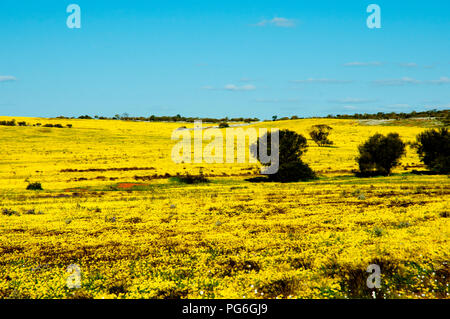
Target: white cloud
point(400, 105)
point(395, 82)
point(7, 78)
point(407, 80)
point(231, 87)
point(324, 81)
point(277, 100)
point(409, 65)
point(442, 80)
point(351, 100)
point(278, 22)
point(363, 64)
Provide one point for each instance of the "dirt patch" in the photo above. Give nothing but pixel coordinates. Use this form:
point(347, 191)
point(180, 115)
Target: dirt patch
point(129, 185)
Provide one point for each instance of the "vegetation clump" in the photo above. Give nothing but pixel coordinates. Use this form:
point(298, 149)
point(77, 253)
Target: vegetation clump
point(379, 154)
point(319, 133)
point(34, 186)
point(191, 179)
point(433, 148)
point(291, 147)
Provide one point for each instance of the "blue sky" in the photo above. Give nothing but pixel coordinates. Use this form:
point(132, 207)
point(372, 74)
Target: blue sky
point(223, 58)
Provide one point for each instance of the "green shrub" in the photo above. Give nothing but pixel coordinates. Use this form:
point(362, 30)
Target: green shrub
point(319, 134)
point(9, 212)
point(433, 147)
point(34, 186)
point(191, 179)
point(291, 147)
point(379, 154)
point(8, 123)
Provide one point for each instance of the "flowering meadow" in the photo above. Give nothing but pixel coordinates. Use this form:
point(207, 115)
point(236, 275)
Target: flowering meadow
point(112, 204)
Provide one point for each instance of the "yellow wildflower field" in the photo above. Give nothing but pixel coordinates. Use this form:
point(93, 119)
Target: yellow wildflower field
point(111, 208)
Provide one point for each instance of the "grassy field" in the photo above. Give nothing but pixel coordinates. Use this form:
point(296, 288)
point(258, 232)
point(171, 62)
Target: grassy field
point(111, 205)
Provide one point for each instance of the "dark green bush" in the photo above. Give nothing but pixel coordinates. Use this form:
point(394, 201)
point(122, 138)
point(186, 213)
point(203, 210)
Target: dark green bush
point(319, 134)
point(223, 125)
point(8, 123)
point(9, 212)
point(34, 186)
point(291, 147)
point(379, 154)
point(433, 147)
point(191, 179)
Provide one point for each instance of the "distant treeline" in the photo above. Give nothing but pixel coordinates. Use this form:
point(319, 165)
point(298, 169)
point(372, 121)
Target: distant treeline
point(377, 116)
point(441, 114)
point(154, 118)
point(394, 115)
point(178, 118)
point(23, 123)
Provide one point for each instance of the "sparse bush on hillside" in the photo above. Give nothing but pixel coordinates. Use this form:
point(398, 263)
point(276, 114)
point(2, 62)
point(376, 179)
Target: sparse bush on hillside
point(53, 125)
point(223, 125)
point(34, 186)
point(319, 134)
point(8, 123)
point(379, 154)
point(433, 147)
point(192, 179)
point(9, 212)
point(291, 167)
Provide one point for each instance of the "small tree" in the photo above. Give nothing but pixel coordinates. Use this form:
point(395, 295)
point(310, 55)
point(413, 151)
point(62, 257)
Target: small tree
point(291, 147)
point(34, 186)
point(319, 134)
point(433, 147)
point(223, 125)
point(379, 154)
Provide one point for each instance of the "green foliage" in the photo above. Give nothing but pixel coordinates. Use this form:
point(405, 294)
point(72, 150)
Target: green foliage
point(393, 115)
point(293, 172)
point(8, 123)
point(53, 125)
point(291, 147)
point(9, 212)
point(433, 147)
point(224, 125)
point(319, 134)
point(191, 179)
point(379, 154)
point(34, 186)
